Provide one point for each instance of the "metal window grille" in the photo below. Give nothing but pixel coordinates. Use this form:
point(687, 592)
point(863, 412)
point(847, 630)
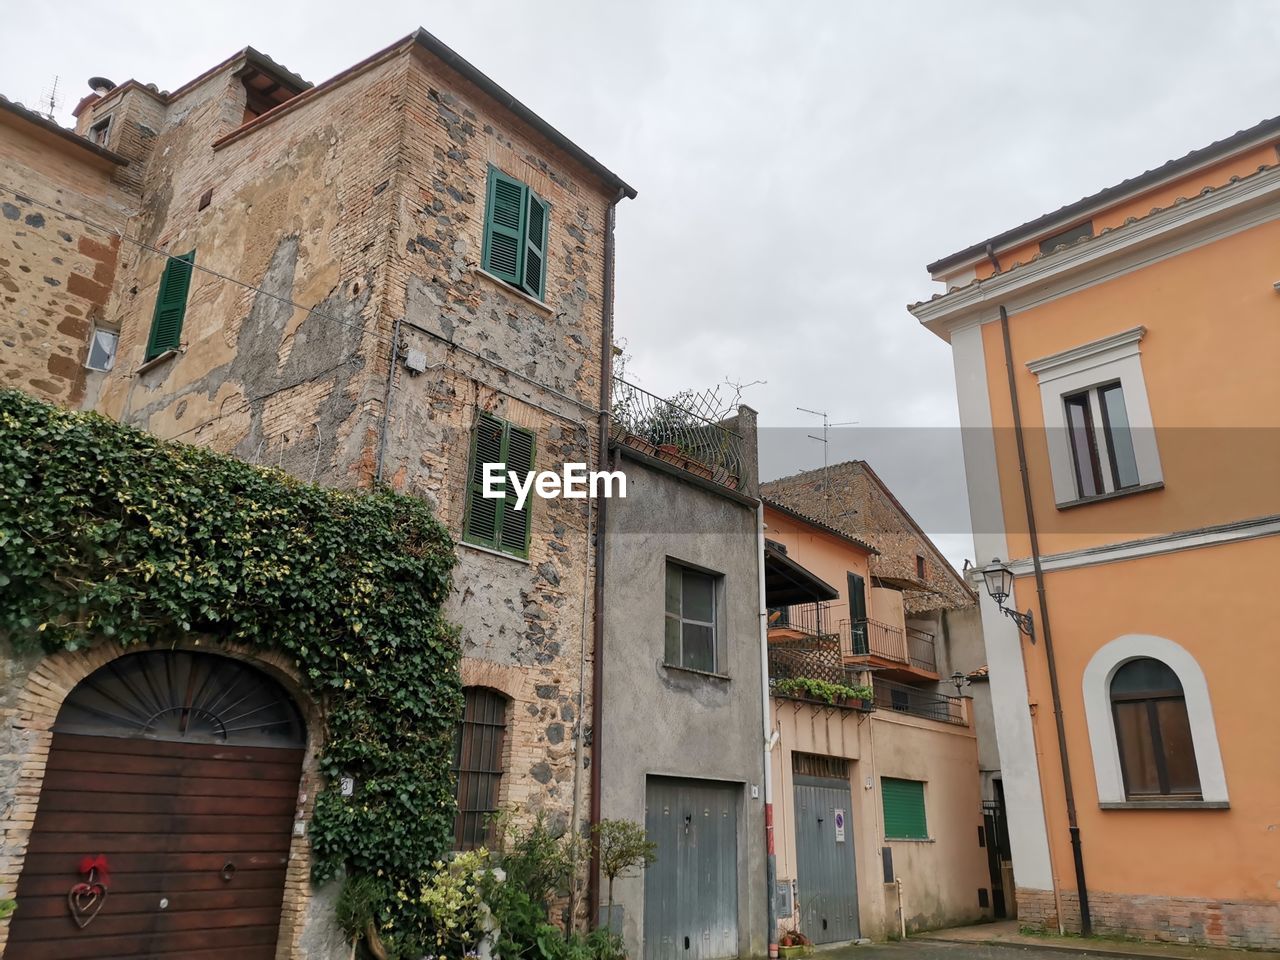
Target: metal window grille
point(477, 765)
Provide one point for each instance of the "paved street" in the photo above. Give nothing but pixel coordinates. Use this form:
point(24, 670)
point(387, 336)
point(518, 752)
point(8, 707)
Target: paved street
point(934, 950)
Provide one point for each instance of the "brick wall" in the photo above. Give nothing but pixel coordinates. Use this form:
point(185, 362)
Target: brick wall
point(1220, 923)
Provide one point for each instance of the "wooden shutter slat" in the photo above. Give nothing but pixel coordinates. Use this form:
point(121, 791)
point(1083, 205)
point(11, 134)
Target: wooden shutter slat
point(480, 525)
point(535, 257)
point(515, 523)
point(504, 225)
point(171, 305)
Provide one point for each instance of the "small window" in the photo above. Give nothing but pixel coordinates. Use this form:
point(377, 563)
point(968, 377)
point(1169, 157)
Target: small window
point(102, 350)
point(495, 522)
point(171, 305)
point(477, 765)
point(99, 132)
point(691, 618)
point(1067, 237)
point(920, 567)
point(1111, 465)
point(1153, 733)
point(515, 234)
point(903, 802)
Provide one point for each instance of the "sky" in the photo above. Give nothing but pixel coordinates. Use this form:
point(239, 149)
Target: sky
point(797, 163)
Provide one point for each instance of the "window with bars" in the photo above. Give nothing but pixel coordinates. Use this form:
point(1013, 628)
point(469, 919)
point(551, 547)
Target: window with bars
point(819, 765)
point(903, 802)
point(477, 765)
point(171, 306)
point(516, 221)
point(495, 522)
point(691, 633)
point(1153, 732)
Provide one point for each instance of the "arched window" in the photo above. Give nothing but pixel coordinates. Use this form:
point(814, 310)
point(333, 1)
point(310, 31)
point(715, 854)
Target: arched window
point(477, 764)
point(1153, 733)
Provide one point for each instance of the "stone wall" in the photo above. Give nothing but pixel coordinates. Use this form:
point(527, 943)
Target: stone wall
point(56, 273)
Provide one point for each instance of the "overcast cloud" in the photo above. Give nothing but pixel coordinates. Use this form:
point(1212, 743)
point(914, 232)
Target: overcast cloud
point(798, 163)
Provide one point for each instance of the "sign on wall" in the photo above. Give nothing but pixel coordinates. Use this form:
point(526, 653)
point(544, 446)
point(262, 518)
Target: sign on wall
point(839, 825)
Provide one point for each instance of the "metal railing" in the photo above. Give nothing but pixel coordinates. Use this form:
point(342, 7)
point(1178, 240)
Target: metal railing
point(814, 619)
point(872, 638)
point(816, 659)
point(689, 438)
point(918, 702)
point(921, 650)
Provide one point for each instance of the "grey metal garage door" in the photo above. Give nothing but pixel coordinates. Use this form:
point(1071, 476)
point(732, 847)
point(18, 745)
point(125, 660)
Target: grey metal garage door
point(691, 890)
point(826, 876)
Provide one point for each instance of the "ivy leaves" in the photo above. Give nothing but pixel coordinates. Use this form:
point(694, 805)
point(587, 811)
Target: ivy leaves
point(109, 533)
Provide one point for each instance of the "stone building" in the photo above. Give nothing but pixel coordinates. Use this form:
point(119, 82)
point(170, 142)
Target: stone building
point(389, 276)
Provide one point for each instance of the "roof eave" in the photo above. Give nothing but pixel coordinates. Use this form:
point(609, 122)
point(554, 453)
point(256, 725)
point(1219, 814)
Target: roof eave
point(469, 71)
point(69, 137)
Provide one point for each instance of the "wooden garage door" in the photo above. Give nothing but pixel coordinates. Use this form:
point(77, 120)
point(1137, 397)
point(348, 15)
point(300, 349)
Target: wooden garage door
point(181, 770)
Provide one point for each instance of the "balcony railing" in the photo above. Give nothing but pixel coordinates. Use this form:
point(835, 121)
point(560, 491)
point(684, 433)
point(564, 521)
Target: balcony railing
point(811, 619)
point(817, 659)
point(918, 702)
point(920, 650)
point(676, 430)
point(872, 638)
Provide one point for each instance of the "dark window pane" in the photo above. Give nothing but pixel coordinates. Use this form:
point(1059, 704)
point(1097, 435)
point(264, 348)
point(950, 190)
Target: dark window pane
point(1137, 749)
point(1083, 449)
point(673, 589)
point(1179, 752)
point(699, 647)
point(1124, 465)
point(1145, 676)
point(699, 597)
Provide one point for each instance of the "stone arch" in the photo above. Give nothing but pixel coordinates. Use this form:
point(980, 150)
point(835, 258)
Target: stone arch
point(31, 728)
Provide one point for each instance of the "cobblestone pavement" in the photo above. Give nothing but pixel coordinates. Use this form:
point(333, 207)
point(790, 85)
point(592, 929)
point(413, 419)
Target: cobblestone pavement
point(935, 950)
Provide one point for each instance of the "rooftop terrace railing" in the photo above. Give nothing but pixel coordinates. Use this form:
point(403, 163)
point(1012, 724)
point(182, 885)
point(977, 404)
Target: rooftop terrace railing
point(918, 702)
point(678, 431)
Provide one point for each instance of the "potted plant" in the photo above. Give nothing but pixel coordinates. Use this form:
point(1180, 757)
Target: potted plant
point(793, 943)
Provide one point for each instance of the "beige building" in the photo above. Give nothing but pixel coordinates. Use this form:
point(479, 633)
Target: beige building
point(357, 281)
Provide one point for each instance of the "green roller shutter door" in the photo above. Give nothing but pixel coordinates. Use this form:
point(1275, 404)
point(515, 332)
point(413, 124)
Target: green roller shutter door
point(904, 817)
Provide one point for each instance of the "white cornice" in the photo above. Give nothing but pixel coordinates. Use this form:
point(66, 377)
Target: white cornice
point(1200, 220)
point(1251, 529)
point(1086, 351)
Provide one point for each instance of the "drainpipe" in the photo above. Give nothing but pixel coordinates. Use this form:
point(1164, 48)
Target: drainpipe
point(1077, 855)
point(597, 667)
point(771, 861)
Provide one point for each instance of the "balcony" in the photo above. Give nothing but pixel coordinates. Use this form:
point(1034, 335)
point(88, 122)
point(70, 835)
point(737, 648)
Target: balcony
point(683, 432)
point(801, 620)
point(897, 652)
point(815, 659)
point(919, 702)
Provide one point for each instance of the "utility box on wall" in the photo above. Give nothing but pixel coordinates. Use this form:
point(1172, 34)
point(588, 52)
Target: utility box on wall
point(784, 900)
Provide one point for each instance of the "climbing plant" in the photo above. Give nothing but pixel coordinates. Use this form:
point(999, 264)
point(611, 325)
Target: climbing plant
point(107, 533)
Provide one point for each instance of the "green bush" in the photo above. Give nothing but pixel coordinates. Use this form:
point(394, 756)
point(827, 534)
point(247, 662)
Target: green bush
point(822, 690)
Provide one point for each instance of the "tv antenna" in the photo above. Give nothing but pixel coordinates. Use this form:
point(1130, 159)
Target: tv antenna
point(49, 99)
point(826, 426)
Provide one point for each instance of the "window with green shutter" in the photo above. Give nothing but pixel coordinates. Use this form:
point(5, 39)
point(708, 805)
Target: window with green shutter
point(495, 522)
point(515, 234)
point(903, 809)
point(171, 305)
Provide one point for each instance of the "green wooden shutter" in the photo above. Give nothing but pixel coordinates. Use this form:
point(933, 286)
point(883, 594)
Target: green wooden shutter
point(171, 305)
point(504, 227)
point(480, 526)
point(535, 247)
point(903, 809)
point(514, 528)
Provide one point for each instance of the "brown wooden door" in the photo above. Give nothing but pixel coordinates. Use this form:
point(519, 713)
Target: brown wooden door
point(196, 835)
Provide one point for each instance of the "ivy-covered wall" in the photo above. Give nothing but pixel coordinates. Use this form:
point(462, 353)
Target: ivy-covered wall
point(108, 534)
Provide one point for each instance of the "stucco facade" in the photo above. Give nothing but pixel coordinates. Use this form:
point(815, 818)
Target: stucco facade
point(663, 719)
point(1167, 566)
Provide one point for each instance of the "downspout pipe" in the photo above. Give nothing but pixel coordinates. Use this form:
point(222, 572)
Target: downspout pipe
point(597, 645)
point(771, 860)
point(1073, 826)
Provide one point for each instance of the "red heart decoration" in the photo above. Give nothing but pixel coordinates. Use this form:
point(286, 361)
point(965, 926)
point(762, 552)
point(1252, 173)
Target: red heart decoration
point(85, 900)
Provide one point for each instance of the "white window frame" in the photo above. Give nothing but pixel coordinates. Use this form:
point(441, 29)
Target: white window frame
point(1113, 359)
point(111, 360)
point(1102, 727)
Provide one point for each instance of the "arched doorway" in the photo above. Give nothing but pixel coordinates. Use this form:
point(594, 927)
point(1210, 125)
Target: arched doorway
point(176, 774)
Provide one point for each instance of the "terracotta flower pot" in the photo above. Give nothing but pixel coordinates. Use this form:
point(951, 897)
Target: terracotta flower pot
point(641, 444)
point(670, 453)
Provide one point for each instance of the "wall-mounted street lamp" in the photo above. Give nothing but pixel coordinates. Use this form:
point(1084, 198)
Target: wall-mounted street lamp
point(999, 581)
point(960, 680)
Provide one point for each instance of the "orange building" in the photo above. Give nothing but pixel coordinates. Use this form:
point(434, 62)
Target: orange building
point(1117, 368)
